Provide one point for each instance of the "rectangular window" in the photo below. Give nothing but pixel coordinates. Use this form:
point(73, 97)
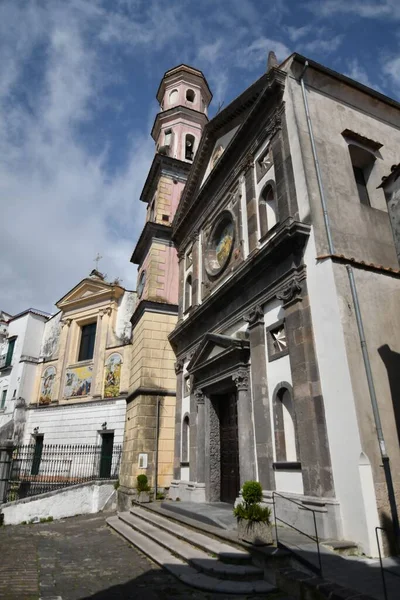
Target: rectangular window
point(168, 137)
point(86, 349)
point(361, 185)
point(3, 398)
point(10, 352)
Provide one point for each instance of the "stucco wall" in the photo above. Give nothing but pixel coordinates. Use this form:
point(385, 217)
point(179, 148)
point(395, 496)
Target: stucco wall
point(80, 499)
point(379, 297)
point(358, 231)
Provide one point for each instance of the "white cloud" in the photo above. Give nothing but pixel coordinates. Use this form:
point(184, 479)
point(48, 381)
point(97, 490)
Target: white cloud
point(256, 53)
point(295, 33)
point(322, 45)
point(367, 9)
point(391, 67)
point(357, 72)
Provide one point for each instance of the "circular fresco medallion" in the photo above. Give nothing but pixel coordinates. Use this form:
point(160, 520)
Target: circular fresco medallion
point(141, 284)
point(220, 244)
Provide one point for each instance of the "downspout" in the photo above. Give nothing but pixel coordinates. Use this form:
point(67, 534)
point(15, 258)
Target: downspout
point(317, 168)
point(363, 343)
point(156, 449)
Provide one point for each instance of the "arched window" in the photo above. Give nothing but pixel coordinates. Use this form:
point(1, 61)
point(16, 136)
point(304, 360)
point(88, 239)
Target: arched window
point(185, 439)
point(285, 426)
point(188, 292)
point(190, 95)
point(189, 147)
point(267, 208)
point(173, 97)
point(363, 163)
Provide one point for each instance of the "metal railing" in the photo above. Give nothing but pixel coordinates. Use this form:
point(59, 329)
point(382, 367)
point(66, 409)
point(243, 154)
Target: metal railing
point(315, 539)
point(37, 469)
point(384, 570)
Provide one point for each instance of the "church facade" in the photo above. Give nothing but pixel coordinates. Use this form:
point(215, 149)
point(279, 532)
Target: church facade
point(285, 248)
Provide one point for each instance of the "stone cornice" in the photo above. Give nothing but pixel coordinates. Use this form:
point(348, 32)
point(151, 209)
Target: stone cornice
point(150, 231)
point(160, 162)
point(151, 306)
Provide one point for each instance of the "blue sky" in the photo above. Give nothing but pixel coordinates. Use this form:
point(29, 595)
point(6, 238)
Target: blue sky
point(78, 80)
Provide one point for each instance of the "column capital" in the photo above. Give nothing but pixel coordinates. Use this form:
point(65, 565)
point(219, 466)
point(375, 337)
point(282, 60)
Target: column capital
point(199, 395)
point(255, 316)
point(66, 322)
point(248, 163)
point(241, 379)
point(291, 292)
point(179, 366)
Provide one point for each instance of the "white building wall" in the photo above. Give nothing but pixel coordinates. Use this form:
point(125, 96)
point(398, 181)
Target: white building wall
point(341, 419)
point(77, 423)
point(33, 336)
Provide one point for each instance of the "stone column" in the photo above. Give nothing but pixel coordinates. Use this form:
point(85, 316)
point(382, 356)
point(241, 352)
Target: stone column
point(251, 203)
point(307, 396)
point(261, 405)
point(201, 437)
point(247, 456)
point(178, 418)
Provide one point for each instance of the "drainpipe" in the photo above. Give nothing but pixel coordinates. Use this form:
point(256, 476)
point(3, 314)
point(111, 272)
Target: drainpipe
point(317, 168)
point(375, 408)
point(363, 343)
point(156, 452)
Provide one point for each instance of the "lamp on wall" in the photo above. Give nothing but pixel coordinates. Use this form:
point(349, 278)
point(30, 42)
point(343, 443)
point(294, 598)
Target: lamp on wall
point(104, 425)
point(35, 430)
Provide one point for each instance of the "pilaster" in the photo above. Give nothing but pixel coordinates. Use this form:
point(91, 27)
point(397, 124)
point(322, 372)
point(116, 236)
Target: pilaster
point(251, 202)
point(62, 359)
point(307, 396)
point(201, 437)
point(103, 320)
point(247, 456)
point(178, 418)
point(261, 405)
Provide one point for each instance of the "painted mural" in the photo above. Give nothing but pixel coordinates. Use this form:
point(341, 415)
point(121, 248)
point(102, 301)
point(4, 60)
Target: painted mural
point(224, 244)
point(112, 377)
point(46, 387)
point(78, 381)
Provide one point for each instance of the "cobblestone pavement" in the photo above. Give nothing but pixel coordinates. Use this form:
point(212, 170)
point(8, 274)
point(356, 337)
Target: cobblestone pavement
point(80, 559)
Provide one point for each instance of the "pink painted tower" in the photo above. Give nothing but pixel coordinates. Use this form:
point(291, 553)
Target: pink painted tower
point(184, 97)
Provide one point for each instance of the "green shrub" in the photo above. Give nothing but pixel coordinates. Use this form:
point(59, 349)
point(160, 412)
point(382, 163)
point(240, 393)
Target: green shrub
point(252, 492)
point(142, 483)
point(116, 484)
point(160, 496)
point(253, 512)
point(250, 509)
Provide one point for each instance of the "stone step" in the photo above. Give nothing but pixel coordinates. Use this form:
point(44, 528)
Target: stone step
point(225, 552)
point(193, 555)
point(177, 567)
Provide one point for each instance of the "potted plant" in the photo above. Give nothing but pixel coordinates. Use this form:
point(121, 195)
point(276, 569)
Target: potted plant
point(253, 519)
point(143, 489)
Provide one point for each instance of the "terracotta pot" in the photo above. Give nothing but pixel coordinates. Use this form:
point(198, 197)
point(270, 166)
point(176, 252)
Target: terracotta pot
point(255, 532)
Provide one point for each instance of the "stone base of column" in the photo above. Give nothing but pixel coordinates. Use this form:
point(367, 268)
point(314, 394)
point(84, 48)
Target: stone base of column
point(187, 491)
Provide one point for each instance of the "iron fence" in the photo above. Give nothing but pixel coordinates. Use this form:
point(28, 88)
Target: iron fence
point(37, 469)
point(385, 570)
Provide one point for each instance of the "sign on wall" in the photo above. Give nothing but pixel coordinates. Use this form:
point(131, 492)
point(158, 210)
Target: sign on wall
point(78, 381)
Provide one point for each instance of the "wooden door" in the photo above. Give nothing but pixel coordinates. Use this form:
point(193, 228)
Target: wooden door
point(230, 481)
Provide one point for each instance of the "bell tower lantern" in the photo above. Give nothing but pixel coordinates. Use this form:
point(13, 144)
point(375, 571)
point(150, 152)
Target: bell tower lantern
point(184, 97)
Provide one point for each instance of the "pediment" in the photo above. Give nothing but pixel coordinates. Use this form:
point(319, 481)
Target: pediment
point(86, 291)
point(214, 346)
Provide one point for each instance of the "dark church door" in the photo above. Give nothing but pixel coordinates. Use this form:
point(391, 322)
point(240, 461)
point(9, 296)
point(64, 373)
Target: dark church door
point(230, 482)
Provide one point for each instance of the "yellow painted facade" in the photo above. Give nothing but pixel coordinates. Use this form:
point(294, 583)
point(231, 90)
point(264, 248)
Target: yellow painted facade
point(64, 379)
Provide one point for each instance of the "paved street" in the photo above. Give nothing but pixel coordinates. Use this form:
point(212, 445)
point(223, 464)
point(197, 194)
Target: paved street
point(81, 558)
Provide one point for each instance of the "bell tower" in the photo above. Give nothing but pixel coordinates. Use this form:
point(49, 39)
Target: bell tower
point(148, 449)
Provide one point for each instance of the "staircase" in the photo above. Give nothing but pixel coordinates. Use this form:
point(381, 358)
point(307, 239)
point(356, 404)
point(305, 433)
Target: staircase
point(196, 559)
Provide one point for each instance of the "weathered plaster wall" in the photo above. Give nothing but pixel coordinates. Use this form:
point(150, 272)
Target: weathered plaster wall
point(51, 337)
point(80, 499)
point(358, 231)
point(379, 297)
